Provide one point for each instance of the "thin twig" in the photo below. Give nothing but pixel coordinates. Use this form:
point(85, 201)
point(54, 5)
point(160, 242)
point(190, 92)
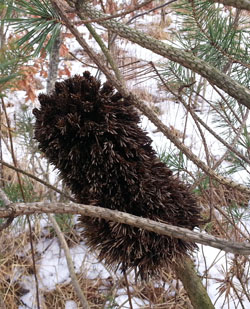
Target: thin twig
point(240, 278)
point(122, 14)
point(151, 10)
point(70, 263)
point(19, 170)
point(106, 53)
point(128, 291)
point(24, 199)
point(198, 119)
point(141, 14)
point(84, 63)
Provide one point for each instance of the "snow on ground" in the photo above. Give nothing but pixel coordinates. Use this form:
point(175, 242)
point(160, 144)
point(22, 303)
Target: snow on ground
point(70, 304)
point(53, 268)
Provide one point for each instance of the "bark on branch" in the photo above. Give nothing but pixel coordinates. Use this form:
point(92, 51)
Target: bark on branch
point(19, 209)
point(187, 59)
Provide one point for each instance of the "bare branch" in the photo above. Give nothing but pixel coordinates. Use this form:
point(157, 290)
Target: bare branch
point(70, 263)
point(48, 185)
point(125, 218)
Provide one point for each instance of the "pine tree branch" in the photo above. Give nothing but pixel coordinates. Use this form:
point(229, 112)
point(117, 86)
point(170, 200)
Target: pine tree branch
point(188, 60)
point(196, 117)
point(121, 14)
point(20, 209)
point(214, 42)
point(182, 147)
point(106, 52)
point(143, 108)
point(239, 4)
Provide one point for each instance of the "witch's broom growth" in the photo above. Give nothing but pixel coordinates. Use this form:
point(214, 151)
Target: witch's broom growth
point(91, 135)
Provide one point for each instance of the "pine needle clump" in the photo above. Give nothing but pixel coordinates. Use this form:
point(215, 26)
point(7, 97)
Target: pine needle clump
point(91, 134)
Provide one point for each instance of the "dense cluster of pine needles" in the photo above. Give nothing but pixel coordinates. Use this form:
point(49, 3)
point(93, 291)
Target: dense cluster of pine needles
point(91, 134)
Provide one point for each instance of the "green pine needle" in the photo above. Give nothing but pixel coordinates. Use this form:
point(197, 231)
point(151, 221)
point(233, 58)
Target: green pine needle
point(39, 22)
